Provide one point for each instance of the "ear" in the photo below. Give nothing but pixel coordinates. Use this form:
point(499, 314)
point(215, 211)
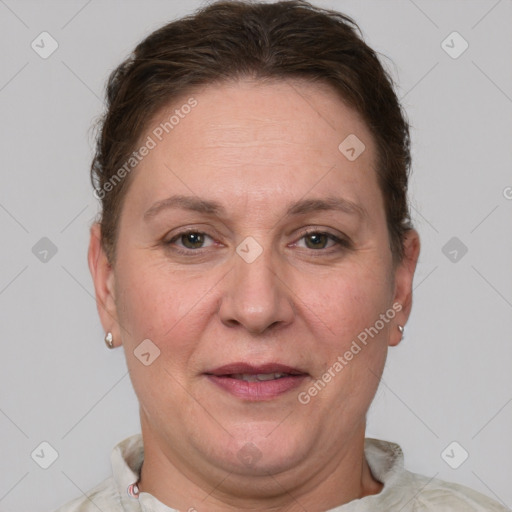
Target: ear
point(103, 277)
point(404, 274)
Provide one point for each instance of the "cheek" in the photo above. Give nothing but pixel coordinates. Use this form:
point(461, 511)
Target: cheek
point(346, 300)
point(153, 304)
point(169, 308)
point(350, 351)
point(153, 300)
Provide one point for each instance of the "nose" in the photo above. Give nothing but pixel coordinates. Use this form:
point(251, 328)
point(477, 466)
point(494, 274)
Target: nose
point(256, 296)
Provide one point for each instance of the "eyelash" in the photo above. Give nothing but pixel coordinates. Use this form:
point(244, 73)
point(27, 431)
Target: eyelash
point(340, 242)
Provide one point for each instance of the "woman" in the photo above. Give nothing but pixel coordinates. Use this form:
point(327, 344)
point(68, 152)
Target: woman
point(255, 258)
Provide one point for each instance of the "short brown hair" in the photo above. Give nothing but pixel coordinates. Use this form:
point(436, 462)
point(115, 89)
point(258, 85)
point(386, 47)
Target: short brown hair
point(235, 39)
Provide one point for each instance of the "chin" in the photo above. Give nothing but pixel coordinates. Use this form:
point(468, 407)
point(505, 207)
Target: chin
point(264, 451)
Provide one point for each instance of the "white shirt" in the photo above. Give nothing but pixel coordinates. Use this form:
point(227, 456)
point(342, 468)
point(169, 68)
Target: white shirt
point(402, 491)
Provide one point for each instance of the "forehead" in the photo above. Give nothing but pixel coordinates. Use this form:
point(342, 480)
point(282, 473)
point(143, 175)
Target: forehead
point(246, 141)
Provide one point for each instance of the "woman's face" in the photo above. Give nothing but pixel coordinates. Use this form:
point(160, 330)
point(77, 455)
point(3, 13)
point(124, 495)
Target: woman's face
point(286, 272)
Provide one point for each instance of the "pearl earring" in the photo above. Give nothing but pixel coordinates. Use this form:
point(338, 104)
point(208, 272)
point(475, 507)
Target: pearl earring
point(109, 340)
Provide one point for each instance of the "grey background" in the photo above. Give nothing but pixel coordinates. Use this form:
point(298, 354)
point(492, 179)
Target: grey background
point(449, 380)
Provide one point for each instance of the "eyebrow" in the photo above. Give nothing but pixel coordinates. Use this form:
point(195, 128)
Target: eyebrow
point(300, 207)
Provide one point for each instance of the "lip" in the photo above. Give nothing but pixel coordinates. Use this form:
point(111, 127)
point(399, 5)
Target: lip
point(260, 390)
point(252, 369)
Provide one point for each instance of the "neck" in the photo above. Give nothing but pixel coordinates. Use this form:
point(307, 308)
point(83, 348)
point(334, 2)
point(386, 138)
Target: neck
point(185, 486)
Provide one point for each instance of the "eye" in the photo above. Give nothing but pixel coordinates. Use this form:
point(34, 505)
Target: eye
point(189, 240)
point(317, 240)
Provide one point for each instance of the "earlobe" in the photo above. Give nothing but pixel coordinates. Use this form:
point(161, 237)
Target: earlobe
point(404, 276)
point(103, 278)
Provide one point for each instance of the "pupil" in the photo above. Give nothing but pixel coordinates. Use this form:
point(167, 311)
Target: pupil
point(318, 240)
point(195, 239)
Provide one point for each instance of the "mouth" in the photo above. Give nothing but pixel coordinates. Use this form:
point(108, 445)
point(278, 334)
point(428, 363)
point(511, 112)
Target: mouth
point(253, 383)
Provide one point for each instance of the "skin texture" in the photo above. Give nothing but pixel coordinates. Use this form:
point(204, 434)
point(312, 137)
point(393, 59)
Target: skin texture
point(254, 147)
